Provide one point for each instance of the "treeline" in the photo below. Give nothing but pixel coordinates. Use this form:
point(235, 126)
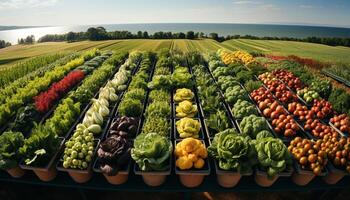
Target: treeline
point(4, 44)
point(100, 33)
point(30, 39)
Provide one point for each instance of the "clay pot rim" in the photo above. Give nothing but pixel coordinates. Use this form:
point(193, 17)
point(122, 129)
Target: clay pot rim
point(286, 173)
point(300, 171)
point(49, 166)
point(167, 172)
point(88, 170)
point(334, 170)
point(230, 172)
point(124, 171)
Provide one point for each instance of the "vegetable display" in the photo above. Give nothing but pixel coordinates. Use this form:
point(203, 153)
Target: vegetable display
point(243, 108)
point(125, 127)
point(114, 154)
point(308, 154)
point(183, 94)
point(188, 127)
point(342, 122)
point(233, 94)
point(35, 86)
point(233, 151)
point(252, 125)
point(273, 155)
point(152, 152)
point(45, 100)
point(43, 141)
point(186, 109)
point(10, 143)
point(190, 153)
point(308, 95)
point(218, 121)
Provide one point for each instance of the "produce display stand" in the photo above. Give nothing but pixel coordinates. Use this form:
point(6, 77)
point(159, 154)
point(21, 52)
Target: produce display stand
point(135, 182)
point(172, 184)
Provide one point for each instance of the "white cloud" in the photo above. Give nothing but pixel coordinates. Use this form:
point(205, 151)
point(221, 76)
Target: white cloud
point(244, 2)
point(18, 4)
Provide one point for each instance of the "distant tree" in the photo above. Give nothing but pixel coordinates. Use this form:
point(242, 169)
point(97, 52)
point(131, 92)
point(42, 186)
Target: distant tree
point(214, 36)
point(98, 33)
point(139, 34)
point(196, 35)
point(145, 35)
point(190, 35)
point(182, 35)
point(4, 44)
point(71, 36)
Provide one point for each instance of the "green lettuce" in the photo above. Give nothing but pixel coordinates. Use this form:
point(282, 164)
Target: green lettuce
point(233, 151)
point(152, 152)
point(273, 155)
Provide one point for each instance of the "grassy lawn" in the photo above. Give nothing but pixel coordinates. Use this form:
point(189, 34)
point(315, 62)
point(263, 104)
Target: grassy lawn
point(316, 51)
point(10, 55)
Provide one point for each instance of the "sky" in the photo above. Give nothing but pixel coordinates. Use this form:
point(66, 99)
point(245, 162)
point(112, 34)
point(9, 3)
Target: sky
point(90, 12)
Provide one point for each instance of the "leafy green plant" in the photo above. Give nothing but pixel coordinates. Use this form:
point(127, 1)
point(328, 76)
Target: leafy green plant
point(218, 122)
point(160, 82)
point(157, 125)
point(252, 125)
point(138, 94)
point(181, 78)
point(232, 94)
point(130, 108)
point(273, 155)
point(243, 108)
point(159, 95)
point(252, 85)
point(158, 109)
point(233, 151)
point(152, 152)
point(10, 142)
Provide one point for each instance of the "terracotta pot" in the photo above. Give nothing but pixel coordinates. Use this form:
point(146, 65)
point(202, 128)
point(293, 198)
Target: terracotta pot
point(80, 177)
point(117, 179)
point(191, 180)
point(302, 178)
point(46, 174)
point(154, 179)
point(16, 172)
point(228, 180)
point(333, 177)
point(264, 181)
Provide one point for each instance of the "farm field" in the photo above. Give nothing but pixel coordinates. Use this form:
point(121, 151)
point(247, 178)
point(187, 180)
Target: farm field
point(319, 52)
point(10, 55)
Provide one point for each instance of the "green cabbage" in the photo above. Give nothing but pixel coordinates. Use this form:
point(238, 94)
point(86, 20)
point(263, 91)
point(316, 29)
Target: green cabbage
point(273, 155)
point(252, 125)
point(243, 108)
point(233, 151)
point(152, 152)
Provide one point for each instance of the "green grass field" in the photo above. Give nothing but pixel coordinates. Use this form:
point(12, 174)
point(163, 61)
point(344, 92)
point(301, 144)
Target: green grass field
point(10, 55)
point(309, 50)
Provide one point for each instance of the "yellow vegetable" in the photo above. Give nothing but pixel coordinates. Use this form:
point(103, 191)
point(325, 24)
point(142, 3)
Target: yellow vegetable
point(188, 127)
point(235, 57)
point(183, 94)
point(190, 153)
point(186, 109)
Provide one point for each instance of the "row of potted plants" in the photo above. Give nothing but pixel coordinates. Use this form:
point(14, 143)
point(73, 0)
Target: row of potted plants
point(39, 150)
